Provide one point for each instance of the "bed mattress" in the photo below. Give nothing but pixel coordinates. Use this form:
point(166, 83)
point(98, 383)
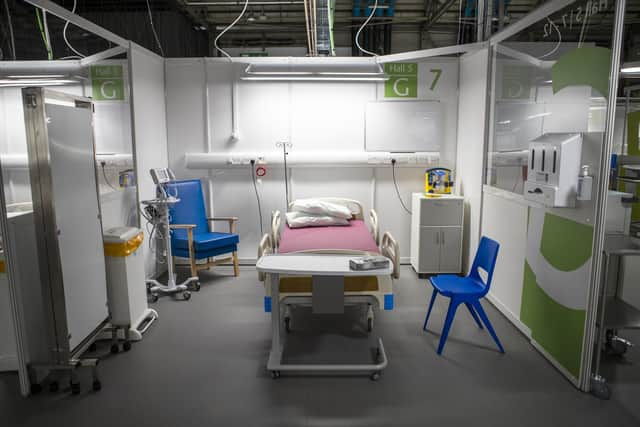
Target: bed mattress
point(352, 237)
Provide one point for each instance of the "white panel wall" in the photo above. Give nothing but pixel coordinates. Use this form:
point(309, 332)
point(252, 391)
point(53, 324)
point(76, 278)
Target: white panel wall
point(313, 117)
point(504, 219)
point(150, 128)
point(471, 132)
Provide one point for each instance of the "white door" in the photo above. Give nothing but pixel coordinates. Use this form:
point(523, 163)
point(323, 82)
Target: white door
point(429, 258)
point(77, 219)
point(450, 245)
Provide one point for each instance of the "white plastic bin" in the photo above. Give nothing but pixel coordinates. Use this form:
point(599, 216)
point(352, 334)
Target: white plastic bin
point(126, 288)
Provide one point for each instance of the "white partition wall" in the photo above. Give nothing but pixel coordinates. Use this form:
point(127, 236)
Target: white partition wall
point(472, 110)
point(149, 124)
point(207, 100)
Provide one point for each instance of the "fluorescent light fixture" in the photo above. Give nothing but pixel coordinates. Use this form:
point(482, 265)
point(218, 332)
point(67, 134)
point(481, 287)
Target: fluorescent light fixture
point(315, 72)
point(37, 76)
point(631, 68)
point(536, 116)
point(504, 122)
point(37, 80)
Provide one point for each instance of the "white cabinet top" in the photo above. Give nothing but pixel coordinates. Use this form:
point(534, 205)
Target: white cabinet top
point(440, 197)
point(315, 265)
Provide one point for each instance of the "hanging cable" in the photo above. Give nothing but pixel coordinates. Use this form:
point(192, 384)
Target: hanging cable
point(64, 32)
point(255, 187)
point(44, 37)
point(11, 36)
point(153, 29)
point(373, 11)
point(395, 183)
point(45, 22)
point(215, 42)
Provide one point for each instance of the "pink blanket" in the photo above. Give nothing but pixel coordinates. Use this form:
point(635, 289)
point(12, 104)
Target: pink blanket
point(355, 236)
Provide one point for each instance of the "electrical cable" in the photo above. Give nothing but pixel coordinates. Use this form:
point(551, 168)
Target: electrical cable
point(373, 11)
point(45, 21)
point(44, 38)
point(255, 187)
point(395, 183)
point(215, 42)
point(153, 29)
point(106, 180)
point(11, 35)
point(64, 32)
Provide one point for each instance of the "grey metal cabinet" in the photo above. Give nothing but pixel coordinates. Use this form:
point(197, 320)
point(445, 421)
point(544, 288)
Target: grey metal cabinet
point(436, 234)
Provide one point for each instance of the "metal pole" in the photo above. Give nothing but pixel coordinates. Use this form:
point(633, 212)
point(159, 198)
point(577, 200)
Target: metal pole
point(601, 201)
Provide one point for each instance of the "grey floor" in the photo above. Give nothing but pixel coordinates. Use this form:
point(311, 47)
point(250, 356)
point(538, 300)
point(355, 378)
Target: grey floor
point(203, 364)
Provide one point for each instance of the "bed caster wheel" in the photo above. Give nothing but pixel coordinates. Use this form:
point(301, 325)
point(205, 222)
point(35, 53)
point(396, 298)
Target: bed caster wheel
point(93, 347)
point(600, 388)
point(287, 324)
point(375, 376)
point(97, 385)
point(275, 374)
point(153, 298)
point(75, 388)
point(35, 388)
point(195, 286)
point(126, 346)
point(54, 386)
point(114, 349)
point(369, 325)
point(186, 295)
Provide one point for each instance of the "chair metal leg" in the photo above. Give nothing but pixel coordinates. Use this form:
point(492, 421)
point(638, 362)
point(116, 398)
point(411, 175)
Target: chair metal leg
point(453, 306)
point(192, 263)
point(236, 266)
point(478, 307)
point(474, 315)
point(433, 299)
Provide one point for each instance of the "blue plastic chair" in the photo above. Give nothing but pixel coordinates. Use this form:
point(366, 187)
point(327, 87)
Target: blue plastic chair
point(190, 234)
point(467, 290)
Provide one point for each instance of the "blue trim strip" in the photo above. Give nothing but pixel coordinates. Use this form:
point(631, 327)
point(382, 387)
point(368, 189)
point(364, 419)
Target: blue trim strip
point(267, 304)
point(388, 301)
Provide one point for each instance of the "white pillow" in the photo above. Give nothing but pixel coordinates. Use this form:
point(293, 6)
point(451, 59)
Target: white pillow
point(302, 219)
point(321, 207)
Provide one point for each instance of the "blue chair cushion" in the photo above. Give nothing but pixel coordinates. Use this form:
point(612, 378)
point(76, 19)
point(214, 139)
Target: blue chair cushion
point(184, 253)
point(203, 242)
point(450, 285)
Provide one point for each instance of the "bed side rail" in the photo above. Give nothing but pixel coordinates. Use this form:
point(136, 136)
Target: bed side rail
point(374, 226)
point(276, 220)
point(390, 249)
point(264, 248)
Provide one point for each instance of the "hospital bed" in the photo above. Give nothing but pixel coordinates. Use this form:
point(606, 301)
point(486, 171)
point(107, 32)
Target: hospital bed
point(357, 239)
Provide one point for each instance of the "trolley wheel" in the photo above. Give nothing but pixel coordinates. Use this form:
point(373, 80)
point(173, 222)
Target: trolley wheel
point(54, 386)
point(287, 324)
point(153, 298)
point(75, 388)
point(114, 349)
point(369, 324)
point(275, 374)
point(97, 385)
point(36, 388)
point(375, 376)
point(186, 295)
point(93, 347)
point(126, 346)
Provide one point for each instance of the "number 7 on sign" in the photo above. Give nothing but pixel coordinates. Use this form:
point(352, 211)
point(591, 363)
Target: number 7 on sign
point(437, 72)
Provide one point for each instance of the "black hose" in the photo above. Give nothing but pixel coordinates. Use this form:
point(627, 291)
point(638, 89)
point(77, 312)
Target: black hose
point(255, 187)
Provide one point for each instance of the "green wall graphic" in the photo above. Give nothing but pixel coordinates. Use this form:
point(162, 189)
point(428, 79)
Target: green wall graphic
point(633, 141)
point(107, 82)
point(565, 244)
point(403, 80)
point(588, 66)
point(558, 329)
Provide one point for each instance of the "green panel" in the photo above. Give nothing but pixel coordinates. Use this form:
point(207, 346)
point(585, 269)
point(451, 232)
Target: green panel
point(565, 244)
point(107, 83)
point(403, 80)
point(589, 66)
point(633, 129)
point(558, 329)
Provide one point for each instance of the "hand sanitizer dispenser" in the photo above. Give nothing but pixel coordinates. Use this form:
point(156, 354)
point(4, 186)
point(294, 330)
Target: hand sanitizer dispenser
point(554, 166)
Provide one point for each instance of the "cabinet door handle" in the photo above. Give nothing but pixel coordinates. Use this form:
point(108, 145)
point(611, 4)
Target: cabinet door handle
point(438, 238)
point(442, 237)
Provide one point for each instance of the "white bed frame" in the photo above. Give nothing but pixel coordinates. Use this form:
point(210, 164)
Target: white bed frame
point(387, 244)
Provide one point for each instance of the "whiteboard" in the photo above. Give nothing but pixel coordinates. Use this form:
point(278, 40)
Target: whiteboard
point(403, 126)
